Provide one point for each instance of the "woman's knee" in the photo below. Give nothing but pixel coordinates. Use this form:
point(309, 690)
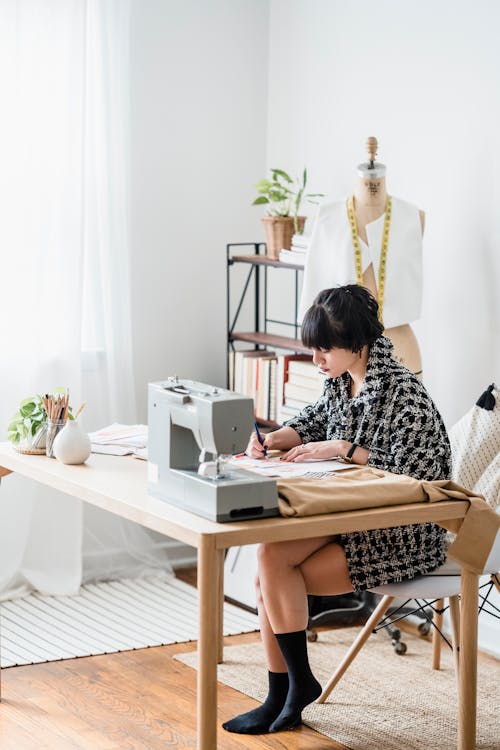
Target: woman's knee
point(268, 555)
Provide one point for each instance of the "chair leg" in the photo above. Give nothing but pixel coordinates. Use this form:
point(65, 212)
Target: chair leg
point(436, 635)
point(495, 581)
point(455, 630)
point(362, 637)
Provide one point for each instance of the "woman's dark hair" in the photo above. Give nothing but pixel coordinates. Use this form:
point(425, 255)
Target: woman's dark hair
point(342, 318)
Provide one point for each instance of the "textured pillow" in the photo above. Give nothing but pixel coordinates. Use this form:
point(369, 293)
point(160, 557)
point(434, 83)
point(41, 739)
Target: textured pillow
point(475, 448)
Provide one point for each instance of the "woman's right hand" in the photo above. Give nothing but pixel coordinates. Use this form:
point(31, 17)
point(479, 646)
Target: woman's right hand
point(254, 448)
point(282, 439)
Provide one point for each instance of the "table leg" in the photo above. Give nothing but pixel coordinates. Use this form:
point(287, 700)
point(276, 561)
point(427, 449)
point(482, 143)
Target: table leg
point(220, 606)
point(208, 604)
point(467, 677)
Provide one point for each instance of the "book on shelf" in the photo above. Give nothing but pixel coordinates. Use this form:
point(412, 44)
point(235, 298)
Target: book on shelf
point(282, 374)
point(254, 375)
point(293, 256)
point(244, 370)
point(301, 241)
point(280, 385)
point(264, 391)
point(304, 368)
point(308, 394)
point(287, 412)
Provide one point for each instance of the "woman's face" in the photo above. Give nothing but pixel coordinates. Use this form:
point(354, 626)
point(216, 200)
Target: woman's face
point(334, 362)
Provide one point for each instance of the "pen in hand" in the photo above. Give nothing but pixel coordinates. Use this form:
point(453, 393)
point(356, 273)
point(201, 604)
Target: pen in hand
point(260, 438)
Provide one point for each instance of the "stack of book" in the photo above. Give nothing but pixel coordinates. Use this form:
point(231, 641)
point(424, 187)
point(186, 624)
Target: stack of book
point(297, 253)
point(300, 383)
point(281, 385)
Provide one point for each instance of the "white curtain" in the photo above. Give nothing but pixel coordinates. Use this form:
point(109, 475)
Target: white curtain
point(64, 284)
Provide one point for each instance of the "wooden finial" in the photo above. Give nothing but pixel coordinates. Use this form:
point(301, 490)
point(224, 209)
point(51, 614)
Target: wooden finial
point(371, 146)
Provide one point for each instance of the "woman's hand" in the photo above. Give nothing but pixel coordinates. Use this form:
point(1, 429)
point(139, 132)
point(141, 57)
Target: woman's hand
point(254, 448)
point(324, 450)
point(280, 440)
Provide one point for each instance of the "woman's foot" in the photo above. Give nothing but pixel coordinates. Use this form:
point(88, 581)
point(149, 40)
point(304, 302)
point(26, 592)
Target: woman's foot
point(260, 719)
point(304, 687)
point(297, 700)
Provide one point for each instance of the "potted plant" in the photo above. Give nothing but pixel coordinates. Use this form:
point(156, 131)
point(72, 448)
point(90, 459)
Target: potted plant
point(283, 196)
point(28, 428)
point(26, 424)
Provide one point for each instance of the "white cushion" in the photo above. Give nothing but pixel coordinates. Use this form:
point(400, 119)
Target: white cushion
point(423, 587)
point(475, 450)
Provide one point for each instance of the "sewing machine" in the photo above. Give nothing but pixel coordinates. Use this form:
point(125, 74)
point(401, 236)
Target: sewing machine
point(193, 429)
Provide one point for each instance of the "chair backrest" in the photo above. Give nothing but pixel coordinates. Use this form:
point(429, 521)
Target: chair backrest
point(475, 448)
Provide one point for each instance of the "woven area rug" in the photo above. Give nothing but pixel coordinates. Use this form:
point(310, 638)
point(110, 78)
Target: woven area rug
point(104, 618)
point(384, 701)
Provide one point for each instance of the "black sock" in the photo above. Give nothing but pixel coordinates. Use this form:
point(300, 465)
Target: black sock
point(260, 719)
point(304, 687)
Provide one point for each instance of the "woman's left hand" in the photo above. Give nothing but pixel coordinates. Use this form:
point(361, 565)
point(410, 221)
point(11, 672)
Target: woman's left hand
point(320, 451)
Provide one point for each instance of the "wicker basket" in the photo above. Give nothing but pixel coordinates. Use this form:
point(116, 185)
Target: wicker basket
point(30, 450)
point(279, 231)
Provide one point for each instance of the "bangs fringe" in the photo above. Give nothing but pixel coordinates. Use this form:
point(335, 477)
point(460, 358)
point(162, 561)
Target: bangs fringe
point(317, 330)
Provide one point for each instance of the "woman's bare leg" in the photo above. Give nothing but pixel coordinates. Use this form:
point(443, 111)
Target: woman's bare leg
point(274, 657)
point(260, 719)
point(288, 571)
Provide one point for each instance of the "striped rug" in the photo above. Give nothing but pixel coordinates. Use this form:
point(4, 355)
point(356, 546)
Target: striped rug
point(104, 618)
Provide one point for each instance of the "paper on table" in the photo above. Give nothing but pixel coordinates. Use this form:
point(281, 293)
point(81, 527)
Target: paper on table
point(134, 436)
point(273, 467)
point(112, 450)
point(120, 436)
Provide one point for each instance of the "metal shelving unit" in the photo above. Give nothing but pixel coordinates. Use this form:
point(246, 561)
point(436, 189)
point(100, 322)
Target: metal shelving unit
point(256, 282)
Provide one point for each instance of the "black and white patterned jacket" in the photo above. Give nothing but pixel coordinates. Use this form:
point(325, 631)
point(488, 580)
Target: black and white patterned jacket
point(393, 416)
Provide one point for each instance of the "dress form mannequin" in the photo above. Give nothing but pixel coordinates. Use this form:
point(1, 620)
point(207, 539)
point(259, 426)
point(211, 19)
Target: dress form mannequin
point(370, 197)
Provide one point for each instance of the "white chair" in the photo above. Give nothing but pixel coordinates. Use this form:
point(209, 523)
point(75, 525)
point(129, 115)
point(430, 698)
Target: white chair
point(431, 588)
point(475, 442)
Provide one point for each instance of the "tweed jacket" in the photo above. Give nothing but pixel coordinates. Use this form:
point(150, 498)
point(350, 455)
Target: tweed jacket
point(393, 417)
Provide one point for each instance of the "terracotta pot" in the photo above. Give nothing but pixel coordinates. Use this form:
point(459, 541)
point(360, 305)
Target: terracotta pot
point(279, 231)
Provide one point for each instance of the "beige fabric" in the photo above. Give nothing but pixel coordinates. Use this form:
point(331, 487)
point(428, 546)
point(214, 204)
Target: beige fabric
point(366, 487)
point(383, 702)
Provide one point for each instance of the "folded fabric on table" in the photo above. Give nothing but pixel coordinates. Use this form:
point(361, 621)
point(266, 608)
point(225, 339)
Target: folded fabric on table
point(366, 487)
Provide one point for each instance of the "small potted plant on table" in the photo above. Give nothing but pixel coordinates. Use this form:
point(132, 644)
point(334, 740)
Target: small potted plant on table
point(283, 196)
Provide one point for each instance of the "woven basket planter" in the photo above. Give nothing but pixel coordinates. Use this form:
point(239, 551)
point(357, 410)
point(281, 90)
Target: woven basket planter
point(279, 231)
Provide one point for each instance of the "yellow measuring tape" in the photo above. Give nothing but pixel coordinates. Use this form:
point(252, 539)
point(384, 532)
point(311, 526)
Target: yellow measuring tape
point(383, 251)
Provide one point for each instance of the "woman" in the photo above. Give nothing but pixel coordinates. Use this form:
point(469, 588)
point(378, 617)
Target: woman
point(373, 411)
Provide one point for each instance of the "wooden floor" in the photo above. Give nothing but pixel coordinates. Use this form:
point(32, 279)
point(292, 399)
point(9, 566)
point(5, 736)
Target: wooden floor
point(136, 700)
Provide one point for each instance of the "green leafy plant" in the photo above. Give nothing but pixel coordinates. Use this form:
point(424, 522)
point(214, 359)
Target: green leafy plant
point(29, 418)
point(27, 421)
point(284, 195)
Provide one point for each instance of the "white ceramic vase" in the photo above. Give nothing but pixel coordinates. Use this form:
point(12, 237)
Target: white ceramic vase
point(72, 445)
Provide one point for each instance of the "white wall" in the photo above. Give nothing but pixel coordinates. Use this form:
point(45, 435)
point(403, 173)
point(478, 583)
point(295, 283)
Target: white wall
point(424, 79)
point(198, 129)
point(198, 103)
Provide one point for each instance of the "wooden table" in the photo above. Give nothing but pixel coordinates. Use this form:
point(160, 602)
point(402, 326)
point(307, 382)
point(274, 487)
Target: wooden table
point(118, 484)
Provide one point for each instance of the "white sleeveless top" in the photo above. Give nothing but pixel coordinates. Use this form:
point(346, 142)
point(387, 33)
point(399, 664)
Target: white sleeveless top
point(330, 259)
